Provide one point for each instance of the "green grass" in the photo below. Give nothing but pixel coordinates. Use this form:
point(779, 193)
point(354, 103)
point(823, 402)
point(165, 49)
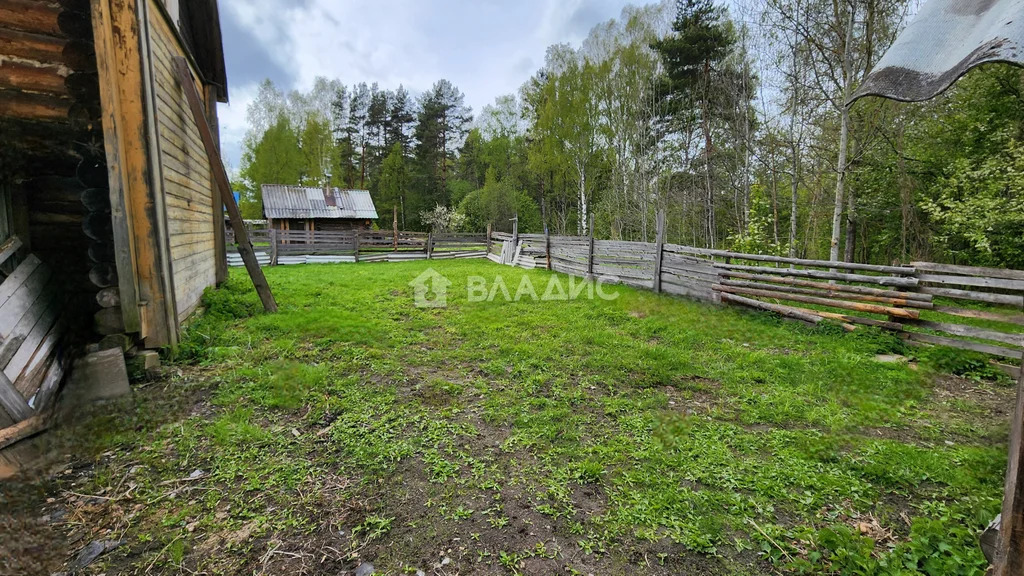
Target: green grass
point(642, 435)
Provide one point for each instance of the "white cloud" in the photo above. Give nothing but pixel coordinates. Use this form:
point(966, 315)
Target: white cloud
point(486, 47)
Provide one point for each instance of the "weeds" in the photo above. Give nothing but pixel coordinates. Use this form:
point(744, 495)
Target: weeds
point(643, 427)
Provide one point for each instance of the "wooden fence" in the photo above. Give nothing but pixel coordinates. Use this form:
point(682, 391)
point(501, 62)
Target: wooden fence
point(978, 309)
point(275, 247)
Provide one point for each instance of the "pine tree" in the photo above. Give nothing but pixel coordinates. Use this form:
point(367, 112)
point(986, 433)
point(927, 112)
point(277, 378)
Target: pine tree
point(442, 125)
point(400, 121)
point(693, 55)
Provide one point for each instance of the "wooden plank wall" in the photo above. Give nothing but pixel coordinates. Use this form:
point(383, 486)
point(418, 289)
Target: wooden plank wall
point(32, 362)
point(187, 177)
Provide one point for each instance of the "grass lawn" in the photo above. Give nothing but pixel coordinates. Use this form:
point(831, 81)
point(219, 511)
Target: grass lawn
point(643, 435)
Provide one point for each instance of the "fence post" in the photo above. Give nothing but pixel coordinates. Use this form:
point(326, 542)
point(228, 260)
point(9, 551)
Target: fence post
point(273, 247)
point(547, 246)
point(355, 243)
point(590, 255)
point(394, 226)
point(659, 250)
point(430, 245)
point(1011, 542)
point(488, 240)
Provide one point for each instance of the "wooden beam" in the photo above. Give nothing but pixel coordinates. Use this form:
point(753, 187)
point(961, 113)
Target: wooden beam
point(142, 269)
point(31, 16)
point(834, 291)
point(12, 401)
point(590, 252)
point(934, 340)
point(252, 265)
point(972, 332)
point(786, 311)
point(901, 282)
point(1011, 533)
point(9, 248)
point(30, 427)
point(219, 241)
point(969, 270)
point(982, 314)
point(1015, 300)
point(659, 250)
point(980, 282)
point(896, 270)
point(866, 290)
point(866, 308)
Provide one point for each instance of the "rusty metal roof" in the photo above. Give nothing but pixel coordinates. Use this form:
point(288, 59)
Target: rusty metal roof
point(302, 202)
point(944, 41)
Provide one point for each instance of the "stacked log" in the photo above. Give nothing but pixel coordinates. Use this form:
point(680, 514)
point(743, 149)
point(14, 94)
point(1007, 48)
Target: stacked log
point(50, 115)
point(49, 96)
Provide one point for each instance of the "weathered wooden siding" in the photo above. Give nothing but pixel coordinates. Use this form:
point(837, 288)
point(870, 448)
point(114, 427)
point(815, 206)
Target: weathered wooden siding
point(187, 179)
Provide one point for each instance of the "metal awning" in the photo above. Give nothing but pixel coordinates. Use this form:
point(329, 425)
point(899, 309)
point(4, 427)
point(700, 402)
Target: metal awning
point(945, 40)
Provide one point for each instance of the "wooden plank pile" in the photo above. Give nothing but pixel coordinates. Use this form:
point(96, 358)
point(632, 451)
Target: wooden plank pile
point(32, 358)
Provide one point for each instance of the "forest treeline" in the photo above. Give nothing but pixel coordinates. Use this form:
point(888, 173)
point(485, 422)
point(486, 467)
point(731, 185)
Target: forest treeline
point(732, 120)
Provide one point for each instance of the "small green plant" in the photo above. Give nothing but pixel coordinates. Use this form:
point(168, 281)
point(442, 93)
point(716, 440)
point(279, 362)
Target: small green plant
point(965, 363)
point(373, 527)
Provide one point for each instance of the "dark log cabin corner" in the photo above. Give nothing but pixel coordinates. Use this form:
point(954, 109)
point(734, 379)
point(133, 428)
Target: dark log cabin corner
point(108, 211)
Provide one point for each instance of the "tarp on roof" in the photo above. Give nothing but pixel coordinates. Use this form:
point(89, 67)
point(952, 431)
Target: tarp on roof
point(944, 41)
point(280, 202)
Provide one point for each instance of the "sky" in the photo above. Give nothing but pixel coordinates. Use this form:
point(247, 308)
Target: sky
point(485, 47)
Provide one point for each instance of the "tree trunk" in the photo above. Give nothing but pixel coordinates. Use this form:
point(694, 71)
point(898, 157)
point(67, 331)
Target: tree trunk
point(851, 226)
point(583, 201)
point(794, 200)
point(844, 138)
point(706, 121)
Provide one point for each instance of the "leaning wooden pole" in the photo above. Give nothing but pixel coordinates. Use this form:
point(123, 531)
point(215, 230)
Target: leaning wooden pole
point(184, 75)
point(1011, 531)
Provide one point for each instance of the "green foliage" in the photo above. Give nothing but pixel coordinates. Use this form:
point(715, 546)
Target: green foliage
point(758, 238)
point(276, 158)
point(979, 209)
point(703, 38)
point(496, 204)
point(393, 186)
point(973, 365)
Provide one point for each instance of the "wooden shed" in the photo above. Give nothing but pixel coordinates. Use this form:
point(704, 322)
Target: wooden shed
point(310, 209)
point(104, 178)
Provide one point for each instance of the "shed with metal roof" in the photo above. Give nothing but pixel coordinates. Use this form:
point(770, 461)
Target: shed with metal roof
point(307, 208)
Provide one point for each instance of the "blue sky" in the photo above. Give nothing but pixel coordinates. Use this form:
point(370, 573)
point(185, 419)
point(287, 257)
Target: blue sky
point(486, 47)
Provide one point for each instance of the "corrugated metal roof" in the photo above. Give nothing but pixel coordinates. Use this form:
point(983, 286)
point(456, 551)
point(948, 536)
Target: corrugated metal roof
point(944, 41)
point(301, 202)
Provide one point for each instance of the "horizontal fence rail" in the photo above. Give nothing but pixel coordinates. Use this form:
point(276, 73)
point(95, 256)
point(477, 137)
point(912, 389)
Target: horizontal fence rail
point(970, 308)
point(274, 247)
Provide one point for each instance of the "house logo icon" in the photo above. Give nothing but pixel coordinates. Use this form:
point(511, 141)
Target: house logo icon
point(430, 289)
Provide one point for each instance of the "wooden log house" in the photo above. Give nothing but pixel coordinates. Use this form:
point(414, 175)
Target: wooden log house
point(104, 179)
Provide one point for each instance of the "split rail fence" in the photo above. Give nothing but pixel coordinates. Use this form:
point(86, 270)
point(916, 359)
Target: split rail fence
point(284, 247)
point(970, 308)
